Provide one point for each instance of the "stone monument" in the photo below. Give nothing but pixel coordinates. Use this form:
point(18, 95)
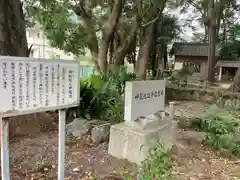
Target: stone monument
point(144, 123)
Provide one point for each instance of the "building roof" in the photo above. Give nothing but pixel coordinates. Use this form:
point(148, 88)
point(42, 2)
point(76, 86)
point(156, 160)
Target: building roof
point(191, 49)
point(228, 63)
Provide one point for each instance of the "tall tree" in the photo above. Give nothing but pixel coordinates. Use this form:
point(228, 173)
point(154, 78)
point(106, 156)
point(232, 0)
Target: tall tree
point(98, 23)
point(146, 44)
point(225, 13)
point(214, 14)
point(212, 40)
point(215, 18)
point(13, 41)
point(167, 30)
point(231, 51)
point(108, 28)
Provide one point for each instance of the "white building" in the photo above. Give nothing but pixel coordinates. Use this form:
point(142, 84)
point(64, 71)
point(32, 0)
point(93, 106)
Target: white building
point(41, 48)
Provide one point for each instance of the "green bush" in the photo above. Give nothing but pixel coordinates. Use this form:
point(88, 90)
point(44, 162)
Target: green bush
point(157, 165)
point(101, 96)
point(180, 77)
point(217, 124)
point(99, 99)
point(226, 142)
point(220, 129)
point(119, 78)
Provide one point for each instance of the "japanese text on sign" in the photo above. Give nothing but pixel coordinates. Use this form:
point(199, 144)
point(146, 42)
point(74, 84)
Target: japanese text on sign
point(149, 95)
point(143, 98)
point(29, 84)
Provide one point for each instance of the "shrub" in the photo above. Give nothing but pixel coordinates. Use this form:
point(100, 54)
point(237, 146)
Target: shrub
point(220, 129)
point(157, 165)
point(119, 78)
point(180, 77)
point(225, 142)
point(101, 96)
point(214, 120)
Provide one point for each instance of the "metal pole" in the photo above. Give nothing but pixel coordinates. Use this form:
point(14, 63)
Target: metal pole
point(61, 144)
point(4, 149)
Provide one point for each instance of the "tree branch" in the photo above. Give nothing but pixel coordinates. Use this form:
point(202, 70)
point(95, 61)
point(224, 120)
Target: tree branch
point(85, 16)
point(108, 31)
point(113, 20)
point(123, 49)
point(191, 2)
point(29, 50)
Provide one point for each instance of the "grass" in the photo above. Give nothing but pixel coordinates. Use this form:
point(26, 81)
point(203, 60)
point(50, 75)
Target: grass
point(157, 165)
point(220, 127)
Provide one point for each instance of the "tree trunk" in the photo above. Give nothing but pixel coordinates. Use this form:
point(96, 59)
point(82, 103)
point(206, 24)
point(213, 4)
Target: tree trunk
point(212, 42)
point(154, 63)
point(100, 53)
point(111, 49)
point(103, 51)
point(165, 56)
point(122, 50)
point(114, 44)
point(13, 41)
point(108, 32)
point(145, 51)
point(146, 46)
point(223, 40)
point(91, 38)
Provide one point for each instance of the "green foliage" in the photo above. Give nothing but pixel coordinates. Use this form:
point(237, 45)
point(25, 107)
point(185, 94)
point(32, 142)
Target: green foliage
point(225, 13)
point(234, 33)
point(101, 96)
point(119, 78)
point(225, 142)
point(59, 28)
point(63, 22)
point(168, 29)
point(217, 124)
point(99, 99)
point(74, 26)
point(157, 165)
point(186, 71)
point(220, 128)
point(54, 56)
point(181, 76)
point(231, 49)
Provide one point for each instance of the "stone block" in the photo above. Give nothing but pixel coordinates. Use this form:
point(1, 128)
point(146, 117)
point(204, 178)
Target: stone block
point(132, 143)
point(148, 122)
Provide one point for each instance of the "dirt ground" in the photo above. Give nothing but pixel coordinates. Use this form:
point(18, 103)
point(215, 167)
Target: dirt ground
point(196, 162)
point(35, 158)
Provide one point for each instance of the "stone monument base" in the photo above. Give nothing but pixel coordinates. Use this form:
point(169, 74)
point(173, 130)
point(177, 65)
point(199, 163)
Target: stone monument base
point(132, 143)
